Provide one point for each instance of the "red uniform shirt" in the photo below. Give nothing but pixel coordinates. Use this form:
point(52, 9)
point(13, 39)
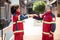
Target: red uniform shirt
point(48, 18)
point(15, 18)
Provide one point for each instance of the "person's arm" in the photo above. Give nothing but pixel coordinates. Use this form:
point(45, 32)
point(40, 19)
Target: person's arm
point(53, 25)
point(22, 17)
point(37, 17)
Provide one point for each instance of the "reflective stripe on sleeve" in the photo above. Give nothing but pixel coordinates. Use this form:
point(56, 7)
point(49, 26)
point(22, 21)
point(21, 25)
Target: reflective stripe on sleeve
point(18, 31)
point(48, 22)
point(17, 22)
point(46, 33)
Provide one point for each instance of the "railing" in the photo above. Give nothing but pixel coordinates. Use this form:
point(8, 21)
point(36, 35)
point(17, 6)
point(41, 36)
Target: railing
point(53, 2)
point(7, 33)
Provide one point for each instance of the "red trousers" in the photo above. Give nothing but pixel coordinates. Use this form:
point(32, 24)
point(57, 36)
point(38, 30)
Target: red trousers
point(47, 37)
point(18, 36)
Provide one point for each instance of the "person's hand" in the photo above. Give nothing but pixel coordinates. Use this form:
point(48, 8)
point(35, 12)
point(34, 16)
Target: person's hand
point(40, 15)
point(35, 15)
point(50, 35)
point(51, 32)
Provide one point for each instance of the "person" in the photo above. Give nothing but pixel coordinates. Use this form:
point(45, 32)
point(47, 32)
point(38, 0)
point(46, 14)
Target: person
point(49, 25)
point(17, 24)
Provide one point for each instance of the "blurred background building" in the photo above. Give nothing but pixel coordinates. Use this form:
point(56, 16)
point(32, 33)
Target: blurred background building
point(5, 14)
point(5, 11)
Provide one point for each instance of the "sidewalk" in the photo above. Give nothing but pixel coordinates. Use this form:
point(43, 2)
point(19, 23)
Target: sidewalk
point(57, 32)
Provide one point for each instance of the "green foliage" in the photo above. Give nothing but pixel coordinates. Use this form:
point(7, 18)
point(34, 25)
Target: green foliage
point(39, 6)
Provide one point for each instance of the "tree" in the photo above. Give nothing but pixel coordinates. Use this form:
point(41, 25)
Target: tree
point(39, 6)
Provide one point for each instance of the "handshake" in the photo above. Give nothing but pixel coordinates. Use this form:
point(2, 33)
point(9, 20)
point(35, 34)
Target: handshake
point(34, 16)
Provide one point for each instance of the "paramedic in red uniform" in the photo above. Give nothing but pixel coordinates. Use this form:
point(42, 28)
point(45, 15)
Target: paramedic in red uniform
point(49, 25)
point(17, 24)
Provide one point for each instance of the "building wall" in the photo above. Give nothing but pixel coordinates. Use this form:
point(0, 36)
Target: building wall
point(58, 7)
point(2, 12)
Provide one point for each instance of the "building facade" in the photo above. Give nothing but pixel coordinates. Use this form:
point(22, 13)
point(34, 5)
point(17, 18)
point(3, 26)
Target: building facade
point(5, 11)
point(58, 8)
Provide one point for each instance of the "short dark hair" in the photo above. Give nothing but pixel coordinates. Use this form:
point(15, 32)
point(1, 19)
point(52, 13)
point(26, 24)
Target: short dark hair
point(13, 9)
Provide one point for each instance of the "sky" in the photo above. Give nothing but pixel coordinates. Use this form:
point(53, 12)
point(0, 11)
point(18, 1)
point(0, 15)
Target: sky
point(14, 2)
